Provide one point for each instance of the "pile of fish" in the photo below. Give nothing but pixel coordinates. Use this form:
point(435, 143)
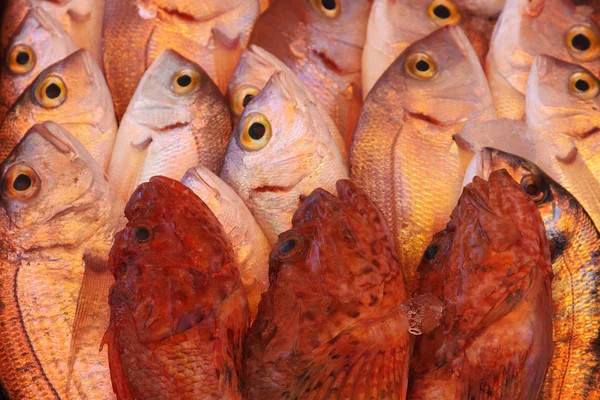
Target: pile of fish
point(300, 199)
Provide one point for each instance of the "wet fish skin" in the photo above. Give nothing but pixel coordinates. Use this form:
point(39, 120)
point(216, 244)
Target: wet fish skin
point(575, 262)
point(293, 154)
point(210, 33)
point(43, 42)
point(59, 217)
point(491, 267)
point(526, 29)
point(321, 50)
point(158, 338)
point(329, 322)
point(80, 102)
point(169, 128)
point(250, 246)
point(403, 141)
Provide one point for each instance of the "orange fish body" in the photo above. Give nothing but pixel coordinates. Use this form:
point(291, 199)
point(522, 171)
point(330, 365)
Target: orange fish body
point(491, 266)
point(330, 325)
point(178, 308)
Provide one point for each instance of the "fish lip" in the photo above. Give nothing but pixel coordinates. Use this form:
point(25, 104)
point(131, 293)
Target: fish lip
point(52, 132)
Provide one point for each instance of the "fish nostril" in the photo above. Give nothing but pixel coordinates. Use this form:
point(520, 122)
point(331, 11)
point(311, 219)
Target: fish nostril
point(581, 42)
point(441, 12)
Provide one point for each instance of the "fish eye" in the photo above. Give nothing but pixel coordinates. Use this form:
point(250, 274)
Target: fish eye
point(21, 59)
point(186, 81)
point(535, 188)
point(21, 182)
point(330, 8)
point(583, 84)
point(142, 234)
point(51, 92)
point(242, 97)
point(582, 43)
point(420, 66)
point(290, 246)
point(255, 132)
point(443, 12)
point(431, 252)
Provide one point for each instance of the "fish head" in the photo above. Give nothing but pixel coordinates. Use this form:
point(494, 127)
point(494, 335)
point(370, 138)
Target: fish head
point(172, 263)
point(563, 98)
point(51, 188)
point(439, 78)
point(39, 42)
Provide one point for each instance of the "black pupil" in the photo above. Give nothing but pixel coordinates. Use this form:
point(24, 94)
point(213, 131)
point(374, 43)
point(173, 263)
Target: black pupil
point(442, 12)
point(22, 58)
point(257, 131)
point(422, 66)
point(247, 99)
point(329, 4)
point(53, 91)
point(431, 252)
point(142, 234)
point(582, 85)
point(287, 246)
point(581, 42)
point(532, 189)
point(184, 80)
point(22, 183)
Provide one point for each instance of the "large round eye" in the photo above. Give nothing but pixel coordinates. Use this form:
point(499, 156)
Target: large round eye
point(421, 66)
point(51, 92)
point(21, 59)
point(255, 132)
point(443, 12)
point(536, 188)
point(186, 81)
point(142, 234)
point(330, 8)
point(242, 97)
point(21, 182)
point(583, 84)
point(293, 244)
point(431, 251)
point(582, 43)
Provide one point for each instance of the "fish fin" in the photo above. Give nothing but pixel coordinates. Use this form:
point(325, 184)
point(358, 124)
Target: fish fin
point(227, 53)
point(348, 366)
point(92, 311)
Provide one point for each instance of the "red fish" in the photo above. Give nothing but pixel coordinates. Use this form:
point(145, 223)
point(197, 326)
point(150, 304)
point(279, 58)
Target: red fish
point(491, 267)
point(178, 307)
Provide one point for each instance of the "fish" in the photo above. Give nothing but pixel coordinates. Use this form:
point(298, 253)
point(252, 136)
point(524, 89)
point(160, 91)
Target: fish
point(72, 93)
point(491, 268)
point(178, 307)
point(281, 150)
point(528, 28)
point(176, 119)
point(314, 39)
point(575, 244)
point(484, 8)
point(58, 218)
point(330, 325)
point(210, 33)
point(38, 43)
point(250, 246)
point(81, 20)
point(395, 24)
point(252, 73)
point(403, 154)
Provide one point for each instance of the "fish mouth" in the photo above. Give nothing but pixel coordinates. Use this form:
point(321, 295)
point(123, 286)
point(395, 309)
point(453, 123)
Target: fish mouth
point(53, 133)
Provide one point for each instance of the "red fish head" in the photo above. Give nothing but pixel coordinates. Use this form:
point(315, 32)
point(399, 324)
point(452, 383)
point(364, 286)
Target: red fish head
point(172, 263)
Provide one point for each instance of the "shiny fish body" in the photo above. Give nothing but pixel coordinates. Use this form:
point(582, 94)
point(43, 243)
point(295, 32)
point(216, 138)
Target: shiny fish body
point(210, 33)
point(169, 128)
point(403, 153)
point(57, 231)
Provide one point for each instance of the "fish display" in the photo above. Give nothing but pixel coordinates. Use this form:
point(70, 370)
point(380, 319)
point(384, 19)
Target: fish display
point(526, 29)
point(495, 338)
point(322, 42)
point(59, 215)
point(575, 244)
point(210, 33)
point(176, 119)
point(38, 43)
point(178, 307)
point(72, 93)
point(405, 133)
point(280, 150)
point(250, 246)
